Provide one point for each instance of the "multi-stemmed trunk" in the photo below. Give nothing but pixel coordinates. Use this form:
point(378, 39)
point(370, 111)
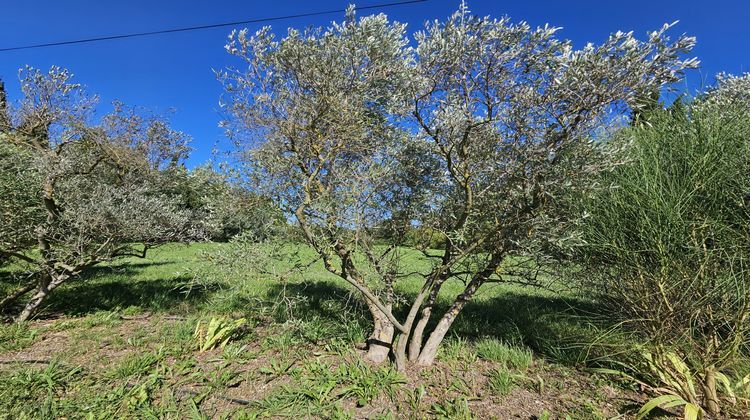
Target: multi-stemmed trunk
point(379, 342)
point(430, 348)
point(412, 334)
point(390, 337)
point(417, 336)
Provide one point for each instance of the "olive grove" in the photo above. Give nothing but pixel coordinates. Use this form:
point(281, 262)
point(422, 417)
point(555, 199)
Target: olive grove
point(79, 191)
point(471, 131)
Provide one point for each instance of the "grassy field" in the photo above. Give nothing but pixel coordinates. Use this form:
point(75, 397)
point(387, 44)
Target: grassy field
point(120, 343)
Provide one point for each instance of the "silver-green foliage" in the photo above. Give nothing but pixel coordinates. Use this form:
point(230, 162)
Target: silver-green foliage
point(81, 191)
point(474, 134)
point(221, 205)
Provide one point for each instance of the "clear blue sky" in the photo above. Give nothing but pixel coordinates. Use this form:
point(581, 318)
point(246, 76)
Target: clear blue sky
point(175, 70)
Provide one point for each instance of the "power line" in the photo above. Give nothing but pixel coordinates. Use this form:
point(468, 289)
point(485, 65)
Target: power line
point(195, 28)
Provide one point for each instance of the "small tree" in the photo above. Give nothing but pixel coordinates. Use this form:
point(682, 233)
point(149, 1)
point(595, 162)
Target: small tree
point(79, 193)
point(471, 136)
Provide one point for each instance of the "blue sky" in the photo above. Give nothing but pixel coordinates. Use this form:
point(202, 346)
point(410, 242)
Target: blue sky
point(175, 70)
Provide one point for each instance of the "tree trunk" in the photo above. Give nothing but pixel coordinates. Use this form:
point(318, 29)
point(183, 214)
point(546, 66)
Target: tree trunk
point(46, 284)
point(379, 342)
point(415, 346)
point(399, 351)
point(710, 396)
point(429, 351)
point(33, 304)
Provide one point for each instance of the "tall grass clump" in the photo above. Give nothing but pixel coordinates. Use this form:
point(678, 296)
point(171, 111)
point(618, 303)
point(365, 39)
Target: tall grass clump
point(667, 249)
point(514, 357)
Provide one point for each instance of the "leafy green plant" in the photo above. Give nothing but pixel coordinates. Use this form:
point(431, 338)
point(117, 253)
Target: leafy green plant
point(277, 368)
point(217, 332)
point(137, 364)
point(692, 411)
point(458, 349)
point(223, 378)
point(17, 336)
point(675, 382)
point(415, 399)
point(33, 392)
point(366, 382)
point(235, 352)
point(141, 395)
point(669, 377)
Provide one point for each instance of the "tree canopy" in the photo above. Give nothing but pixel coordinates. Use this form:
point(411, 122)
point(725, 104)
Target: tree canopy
point(84, 191)
point(472, 134)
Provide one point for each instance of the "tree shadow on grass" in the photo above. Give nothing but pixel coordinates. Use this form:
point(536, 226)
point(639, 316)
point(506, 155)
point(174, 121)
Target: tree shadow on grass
point(567, 330)
point(559, 329)
point(105, 288)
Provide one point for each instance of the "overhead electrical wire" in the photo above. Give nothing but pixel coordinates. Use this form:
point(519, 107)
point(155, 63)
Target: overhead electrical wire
point(201, 27)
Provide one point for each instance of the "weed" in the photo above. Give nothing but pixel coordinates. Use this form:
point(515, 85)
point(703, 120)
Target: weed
point(223, 378)
point(276, 368)
point(282, 341)
point(217, 332)
point(365, 383)
point(457, 349)
point(313, 330)
point(234, 352)
point(415, 400)
point(453, 409)
point(101, 318)
point(32, 392)
point(501, 381)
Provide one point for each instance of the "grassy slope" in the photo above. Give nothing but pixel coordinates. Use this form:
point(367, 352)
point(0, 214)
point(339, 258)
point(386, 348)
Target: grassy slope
point(123, 347)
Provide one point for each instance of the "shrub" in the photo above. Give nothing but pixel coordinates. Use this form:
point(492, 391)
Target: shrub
point(667, 240)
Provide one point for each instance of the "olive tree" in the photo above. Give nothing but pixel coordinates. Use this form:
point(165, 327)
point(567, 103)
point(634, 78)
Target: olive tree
point(730, 94)
point(220, 204)
point(79, 192)
point(312, 119)
point(471, 135)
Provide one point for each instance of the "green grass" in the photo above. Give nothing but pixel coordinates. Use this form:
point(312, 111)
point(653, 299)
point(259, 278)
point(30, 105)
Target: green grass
point(136, 365)
point(501, 381)
point(129, 349)
point(513, 357)
point(17, 336)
